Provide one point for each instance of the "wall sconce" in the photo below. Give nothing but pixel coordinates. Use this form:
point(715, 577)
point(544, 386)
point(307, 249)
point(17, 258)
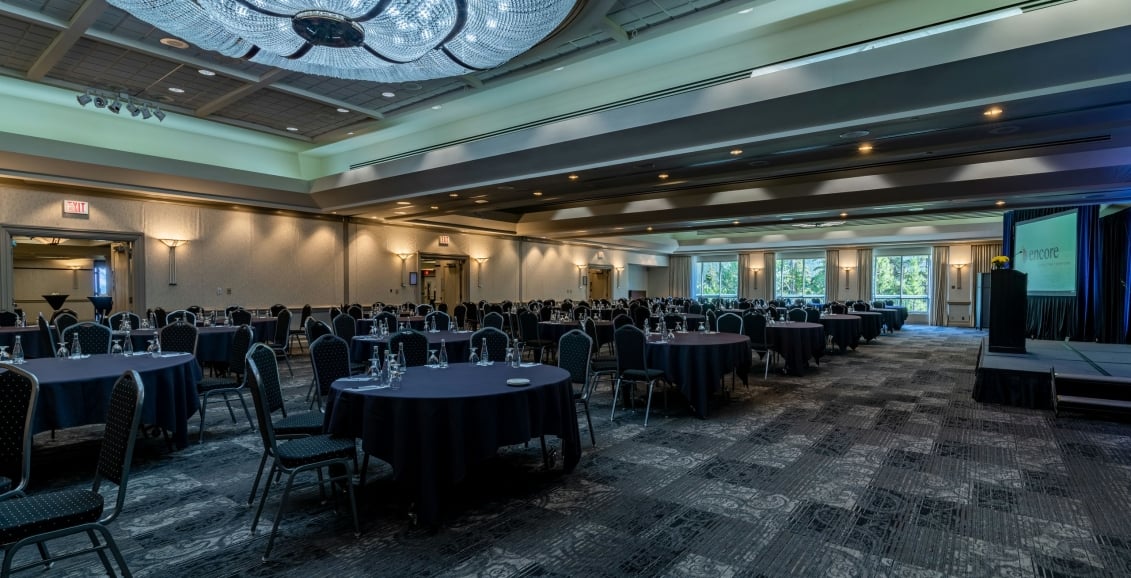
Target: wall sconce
point(404, 257)
point(847, 270)
point(74, 277)
point(959, 267)
point(172, 244)
point(479, 272)
point(755, 270)
point(619, 270)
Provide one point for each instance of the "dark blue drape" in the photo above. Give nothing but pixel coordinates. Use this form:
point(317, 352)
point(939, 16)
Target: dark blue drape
point(1114, 323)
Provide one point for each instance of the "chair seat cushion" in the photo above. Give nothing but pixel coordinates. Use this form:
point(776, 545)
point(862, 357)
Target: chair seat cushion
point(642, 374)
point(39, 513)
point(302, 451)
point(309, 423)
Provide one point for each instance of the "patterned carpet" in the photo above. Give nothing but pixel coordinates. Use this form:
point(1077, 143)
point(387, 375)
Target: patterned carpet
point(876, 463)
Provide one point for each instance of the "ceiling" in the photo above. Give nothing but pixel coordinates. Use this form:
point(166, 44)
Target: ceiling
point(650, 104)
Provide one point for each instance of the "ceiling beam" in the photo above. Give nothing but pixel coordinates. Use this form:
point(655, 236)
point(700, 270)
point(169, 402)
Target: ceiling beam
point(76, 28)
point(224, 100)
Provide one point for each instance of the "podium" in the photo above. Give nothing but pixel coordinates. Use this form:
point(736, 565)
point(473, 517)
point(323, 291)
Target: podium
point(1009, 309)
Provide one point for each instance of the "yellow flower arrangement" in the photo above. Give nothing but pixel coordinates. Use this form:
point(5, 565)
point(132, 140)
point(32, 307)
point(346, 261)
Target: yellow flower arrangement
point(999, 262)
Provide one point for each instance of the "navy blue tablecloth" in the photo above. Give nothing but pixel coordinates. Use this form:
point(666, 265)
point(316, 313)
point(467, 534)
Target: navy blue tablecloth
point(892, 318)
point(844, 329)
point(213, 343)
point(797, 342)
point(414, 322)
point(871, 323)
point(74, 392)
point(554, 331)
point(697, 363)
point(441, 421)
point(361, 347)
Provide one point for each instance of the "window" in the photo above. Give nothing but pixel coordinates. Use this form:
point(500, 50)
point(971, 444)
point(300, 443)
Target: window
point(800, 279)
point(902, 279)
point(716, 279)
point(101, 278)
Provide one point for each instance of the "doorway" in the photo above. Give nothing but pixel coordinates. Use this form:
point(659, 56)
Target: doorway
point(75, 264)
point(443, 279)
point(600, 283)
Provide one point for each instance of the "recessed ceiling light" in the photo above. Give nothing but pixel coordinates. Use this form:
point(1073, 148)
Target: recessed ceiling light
point(662, 175)
point(399, 212)
point(343, 110)
point(843, 215)
point(735, 152)
point(1000, 203)
point(206, 72)
point(480, 201)
point(453, 195)
point(864, 148)
point(403, 203)
point(176, 90)
point(437, 107)
point(649, 228)
point(350, 133)
point(388, 94)
point(734, 222)
point(787, 218)
point(537, 193)
point(559, 69)
point(574, 177)
point(174, 43)
point(292, 128)
point(993, 111)
point(913, 209)
point(746, 11)
point(434, 207)
point(855, 134)
point(618, 228)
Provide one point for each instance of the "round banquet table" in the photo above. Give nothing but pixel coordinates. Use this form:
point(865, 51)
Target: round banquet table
point(871, 323)
point(441, 421)
point(844, 329)
point(554, 331)
point(29, 340)
point(414, 322)
point(456, 342)
point(213, 343)
point(698, 361)
point(797, 342)
point(74, 392)
point(892, 318)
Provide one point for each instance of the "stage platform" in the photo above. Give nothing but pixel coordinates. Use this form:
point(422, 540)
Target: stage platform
point(1022, 379)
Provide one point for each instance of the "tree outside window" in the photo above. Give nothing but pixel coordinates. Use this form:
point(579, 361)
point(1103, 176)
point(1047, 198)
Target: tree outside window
point(716, 279)
point(902, 279)
point(800, 279)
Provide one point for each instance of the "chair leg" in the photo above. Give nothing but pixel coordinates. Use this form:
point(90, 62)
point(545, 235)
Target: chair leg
point(43, 553)
point(246, 413)
point(258, 477)
point(263, 498)
point(279, 515)
point(228, 402)
point(616, 394)
point(589, 420)
point(113, 547)
point(101, 553)
point(203, 407)
point(648, 407)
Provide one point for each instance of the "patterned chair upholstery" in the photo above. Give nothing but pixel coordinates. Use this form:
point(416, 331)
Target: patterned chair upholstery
point(50, 515)
point(796, 314)
point(443, 322)
point(61, 322)
point(179, 336)
point(415, 346)
point(345, 326)
point(280, 342)
point(497, 343)
point(330, 360)
point(226, 388)
point(188, 316)
point(493, 319)
point(116, 320)
point(632, 365)
point(94, 338)
point(8, 319)
point(460, 313)
point(19, 391)
point(240, 317)
point(574, 355)
point(729, 323)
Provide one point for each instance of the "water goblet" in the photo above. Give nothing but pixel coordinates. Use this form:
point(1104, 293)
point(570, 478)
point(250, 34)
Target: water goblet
point(433, 358)
point(62, 352)
point(4, 358)
point(473, 359)
point(116, 348)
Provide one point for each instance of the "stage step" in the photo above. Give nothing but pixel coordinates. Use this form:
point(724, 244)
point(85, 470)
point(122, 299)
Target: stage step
point(1095, 391)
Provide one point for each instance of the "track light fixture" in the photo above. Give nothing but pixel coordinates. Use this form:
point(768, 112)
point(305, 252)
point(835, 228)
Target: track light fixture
point(115, 101)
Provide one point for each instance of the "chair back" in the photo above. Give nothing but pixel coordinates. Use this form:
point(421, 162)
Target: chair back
point(276, 308)
point(859, 306)
point(497, 343)
point(695, 309)
point(282, 328)
point(390, 320)
point(8, 319)
point(179, 337)
point(629, 342)
point(813, 315)
point(315, 329)
point(590, 328)
point(159, 317)
point(460, 313)
point(574, 349)
point(581, 311)
point(640, 316)
point(241, 342)
point(443, 322)
point(796, 314)
point(306, 310)
point(729, 323)
point(117, 318)
point(877, 305)
point(345, 326)
point(423, 309)
point(754, 327)
point(330, 360)
point(259, 399)
point(122, 420)
point(62, 321)
point(188, 316)
point(415, 346)
point(64, 311)
point(620, 321)
point(263, 358)
point(671, 320)
point(19, 391)
point(355, 311)
point(47, 338)
point(837, 308)
point(712, 320)
point(493, 319)
point(528, 325)
point(241, 317)
point(94, 338)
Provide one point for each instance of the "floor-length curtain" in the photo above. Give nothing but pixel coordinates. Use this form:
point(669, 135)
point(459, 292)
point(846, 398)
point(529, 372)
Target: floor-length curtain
point(744, 264)
point(980, 256)
point(679, 276)
point(832, 268)
point(1114, 325)
point(769, 263)
point(940, 269)
point(864, 274)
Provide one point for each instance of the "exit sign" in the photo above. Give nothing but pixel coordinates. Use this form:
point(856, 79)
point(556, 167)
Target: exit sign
point(76, 208)
point(445, 240)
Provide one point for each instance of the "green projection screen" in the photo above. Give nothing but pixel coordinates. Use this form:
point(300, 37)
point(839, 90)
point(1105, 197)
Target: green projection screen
point(1045, 249)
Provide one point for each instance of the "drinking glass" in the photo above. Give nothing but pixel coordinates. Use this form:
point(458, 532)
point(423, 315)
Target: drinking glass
point(116, 348)
point(4, 354)
point(433, 358)
point(62, 352)
point(473, 359)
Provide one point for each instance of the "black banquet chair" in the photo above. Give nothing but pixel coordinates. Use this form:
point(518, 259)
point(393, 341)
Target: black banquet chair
point(94, 338)
point(226, 388)
point(292, 457)
point(39, 518)
point(574, 349)
point(19, 391)
point(281, 341)
point(632, 365)
point(179, 336)
point(497, 343)
point(330, 361)
point(441, 319)
point(415, 346)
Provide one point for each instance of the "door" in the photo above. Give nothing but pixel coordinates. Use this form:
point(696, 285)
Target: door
point(450, 277)
point(600, 284)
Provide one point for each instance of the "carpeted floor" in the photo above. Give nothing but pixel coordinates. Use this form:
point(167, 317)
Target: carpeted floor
point(876, 463)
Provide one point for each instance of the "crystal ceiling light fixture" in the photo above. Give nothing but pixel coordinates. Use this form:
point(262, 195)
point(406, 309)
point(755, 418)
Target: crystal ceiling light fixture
point(375, 40)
